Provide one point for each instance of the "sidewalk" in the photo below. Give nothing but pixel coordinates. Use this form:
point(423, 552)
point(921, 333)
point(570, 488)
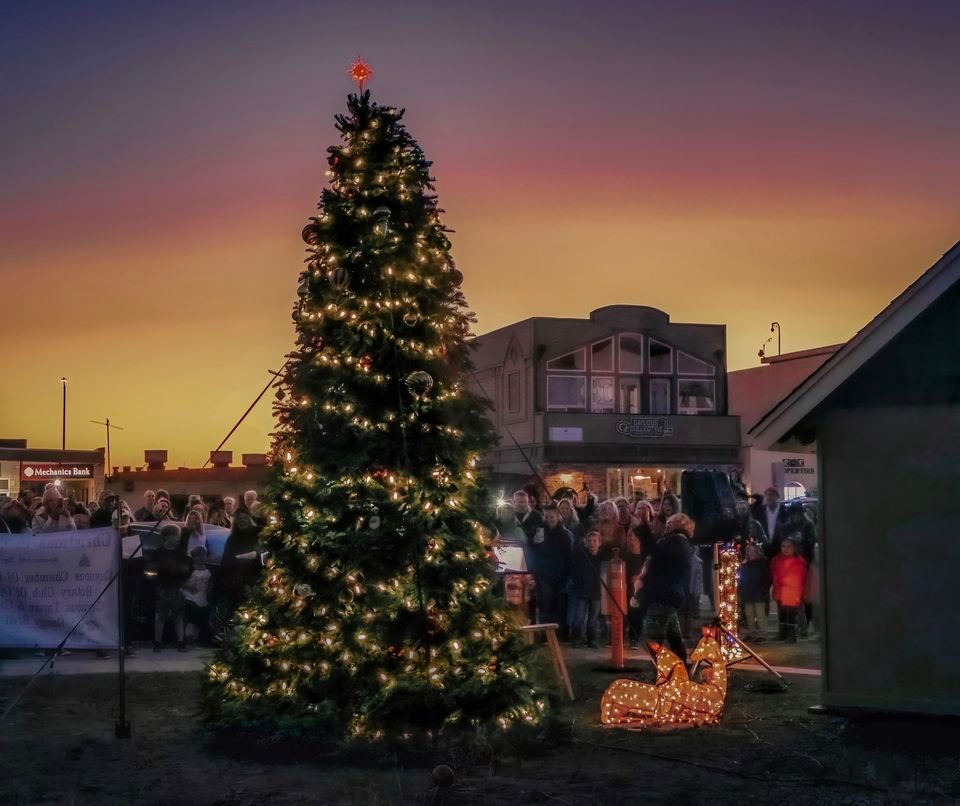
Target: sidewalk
point(86, 662)
point(788, 659)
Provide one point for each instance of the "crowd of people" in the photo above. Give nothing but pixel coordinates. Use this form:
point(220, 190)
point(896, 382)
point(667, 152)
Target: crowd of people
point(174, 574)
point(569, 540)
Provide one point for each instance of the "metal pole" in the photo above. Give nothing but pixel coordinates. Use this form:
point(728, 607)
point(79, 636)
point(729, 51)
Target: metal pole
point(63, 436)
point(123, 726)
point(109, 465)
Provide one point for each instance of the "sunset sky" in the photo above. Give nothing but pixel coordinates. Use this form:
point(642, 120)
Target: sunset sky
point(727, 162)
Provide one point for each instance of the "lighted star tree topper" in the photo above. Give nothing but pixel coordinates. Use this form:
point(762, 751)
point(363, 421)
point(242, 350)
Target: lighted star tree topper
point(375, 616)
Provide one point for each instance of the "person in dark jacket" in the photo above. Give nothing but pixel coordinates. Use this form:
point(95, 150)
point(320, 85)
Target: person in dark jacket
point(237, 575)
point(585, 579)
point(528, 518)
point(666, 581)
point(171, 568)
point(750, 530)
point(797, 527)
point(548, 559)
point(755, 581)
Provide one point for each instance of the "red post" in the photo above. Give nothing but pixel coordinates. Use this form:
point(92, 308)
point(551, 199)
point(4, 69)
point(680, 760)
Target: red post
point(617, 585)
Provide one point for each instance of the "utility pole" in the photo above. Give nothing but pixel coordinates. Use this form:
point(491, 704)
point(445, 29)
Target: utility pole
point(109, 425)
point(63, 436)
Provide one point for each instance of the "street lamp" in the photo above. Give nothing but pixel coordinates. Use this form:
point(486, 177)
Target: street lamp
point(775, 328)
point(63, 435)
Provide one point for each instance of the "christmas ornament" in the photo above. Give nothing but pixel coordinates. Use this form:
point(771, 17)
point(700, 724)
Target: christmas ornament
point(345, 596)
point(457, 277)
point(310, 235)
point(381, 222)
point(410, 318)
point(302, 590)
point(443, 776)
point(418, 382)
point(360, 72)
point(304, 288)
point(339, 278)
point(332, 160)
point(374, 522)
point(280, 394)
point(365, 363)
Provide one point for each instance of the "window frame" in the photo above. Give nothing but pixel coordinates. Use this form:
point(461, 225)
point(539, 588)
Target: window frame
point(612, 369)
point(582, 350)
point(581, 376)
point(669, 397)
point(639, 337)
point(711, 374)
point(638, 380)
point(650, 370)
point(613, 383)
point(680, 409)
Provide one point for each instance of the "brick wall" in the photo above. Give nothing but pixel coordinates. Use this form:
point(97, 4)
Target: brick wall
point(595, 475)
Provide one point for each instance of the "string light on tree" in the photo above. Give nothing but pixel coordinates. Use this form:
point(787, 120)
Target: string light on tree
point(375, 616)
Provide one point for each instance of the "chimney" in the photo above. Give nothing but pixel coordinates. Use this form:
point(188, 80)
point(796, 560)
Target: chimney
point(116, 469)
point(156, 460)
point(221, 458)
point(254, 459)
point(126, 468)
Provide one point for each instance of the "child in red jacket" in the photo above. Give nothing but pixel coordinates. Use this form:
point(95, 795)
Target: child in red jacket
point(789, 573)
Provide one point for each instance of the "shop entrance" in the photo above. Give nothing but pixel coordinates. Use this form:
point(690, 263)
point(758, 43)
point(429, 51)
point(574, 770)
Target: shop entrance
point(653, 482)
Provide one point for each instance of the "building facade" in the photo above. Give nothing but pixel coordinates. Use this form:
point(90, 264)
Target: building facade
point(751, 394)
point(77, 473)
point(622, 402)
point(218, 480)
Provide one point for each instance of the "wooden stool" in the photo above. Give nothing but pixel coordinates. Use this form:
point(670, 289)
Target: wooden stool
point(556, 654)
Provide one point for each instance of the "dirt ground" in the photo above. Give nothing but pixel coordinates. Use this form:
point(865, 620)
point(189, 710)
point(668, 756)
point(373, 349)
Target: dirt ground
point(57, 747)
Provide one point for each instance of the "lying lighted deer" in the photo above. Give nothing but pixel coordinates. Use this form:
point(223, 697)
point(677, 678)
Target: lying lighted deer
point(674, 699)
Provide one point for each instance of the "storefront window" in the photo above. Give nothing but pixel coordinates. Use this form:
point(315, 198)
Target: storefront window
point(572, 362)
point(688, 365)
point(631, 353)
point(566, 392)
point(661, 358)
point(601, 393)
point(629, 395)
point(660, 396)
point(601, 356)
point(695, 397)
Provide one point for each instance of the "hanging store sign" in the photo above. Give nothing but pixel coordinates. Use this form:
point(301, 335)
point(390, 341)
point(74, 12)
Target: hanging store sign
point(646, 427)
point(45, 471)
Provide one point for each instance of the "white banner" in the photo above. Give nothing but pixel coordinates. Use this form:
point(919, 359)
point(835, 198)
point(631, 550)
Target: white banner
point(47, 582)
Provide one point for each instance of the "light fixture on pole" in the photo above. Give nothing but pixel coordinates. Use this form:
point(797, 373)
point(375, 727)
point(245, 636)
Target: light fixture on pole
point(63, 434)
point(109, 425)
point(775, 328)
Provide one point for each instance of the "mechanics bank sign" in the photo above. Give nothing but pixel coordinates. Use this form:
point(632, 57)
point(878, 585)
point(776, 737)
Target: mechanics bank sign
point(656, 427)
point(39, 471)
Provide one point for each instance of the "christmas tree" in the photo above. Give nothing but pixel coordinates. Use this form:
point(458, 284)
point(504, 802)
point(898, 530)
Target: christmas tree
point(375, 616)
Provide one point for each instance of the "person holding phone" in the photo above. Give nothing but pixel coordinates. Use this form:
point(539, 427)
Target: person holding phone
point(52, 515)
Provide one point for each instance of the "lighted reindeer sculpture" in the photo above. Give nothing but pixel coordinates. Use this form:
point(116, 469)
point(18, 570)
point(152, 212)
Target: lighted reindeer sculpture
point(674, 700)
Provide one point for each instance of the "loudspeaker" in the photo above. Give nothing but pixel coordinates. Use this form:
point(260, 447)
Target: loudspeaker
point(707, 497)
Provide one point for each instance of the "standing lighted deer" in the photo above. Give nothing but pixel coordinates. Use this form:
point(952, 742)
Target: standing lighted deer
point(674, 700)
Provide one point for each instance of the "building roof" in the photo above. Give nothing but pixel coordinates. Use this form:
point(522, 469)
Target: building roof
point(752, 392)
point(25, 454)
point(880, 331)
